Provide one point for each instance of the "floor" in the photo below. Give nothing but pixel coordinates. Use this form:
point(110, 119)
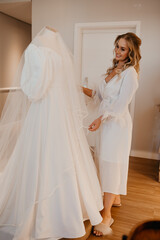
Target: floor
point(142, 201)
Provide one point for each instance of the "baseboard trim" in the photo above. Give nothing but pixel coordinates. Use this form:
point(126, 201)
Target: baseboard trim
point(145, 154)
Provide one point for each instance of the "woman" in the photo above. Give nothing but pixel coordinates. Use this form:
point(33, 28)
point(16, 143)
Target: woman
point(115, 93)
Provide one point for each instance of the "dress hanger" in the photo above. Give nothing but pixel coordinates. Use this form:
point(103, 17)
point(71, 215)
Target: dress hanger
point(52, 29)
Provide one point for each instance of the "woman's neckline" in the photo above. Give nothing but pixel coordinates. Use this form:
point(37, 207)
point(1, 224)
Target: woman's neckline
point(116, 75)
point(110, 79)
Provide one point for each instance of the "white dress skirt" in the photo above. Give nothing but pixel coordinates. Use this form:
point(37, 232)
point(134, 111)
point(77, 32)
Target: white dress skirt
point(49, 185)
point(114, 139)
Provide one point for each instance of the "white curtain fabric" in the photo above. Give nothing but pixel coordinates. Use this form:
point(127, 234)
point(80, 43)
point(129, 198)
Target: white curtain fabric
point(48, 179)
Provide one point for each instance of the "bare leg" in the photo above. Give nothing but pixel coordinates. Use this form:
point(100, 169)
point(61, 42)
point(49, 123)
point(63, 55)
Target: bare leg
point(117, 200)
point(108, 202)
point(106, 212)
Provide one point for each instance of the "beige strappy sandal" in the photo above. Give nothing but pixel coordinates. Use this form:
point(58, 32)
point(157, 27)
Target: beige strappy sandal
point(105, 230)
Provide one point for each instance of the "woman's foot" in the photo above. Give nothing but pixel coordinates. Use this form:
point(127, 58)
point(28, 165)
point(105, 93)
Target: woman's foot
point(104, 227)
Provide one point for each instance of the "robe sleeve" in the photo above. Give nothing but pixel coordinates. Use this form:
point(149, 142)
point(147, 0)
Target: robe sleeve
point(96, 95)
point(37, 72)
point(127, 91)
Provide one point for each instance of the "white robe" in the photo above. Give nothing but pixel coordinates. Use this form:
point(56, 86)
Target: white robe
point(114, 139)
point(49, 186)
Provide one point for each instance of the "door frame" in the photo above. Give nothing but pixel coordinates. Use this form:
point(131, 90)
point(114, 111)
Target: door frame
point(79, 30)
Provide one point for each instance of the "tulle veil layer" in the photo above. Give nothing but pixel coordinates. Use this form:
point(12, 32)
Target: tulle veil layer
point(17, 104)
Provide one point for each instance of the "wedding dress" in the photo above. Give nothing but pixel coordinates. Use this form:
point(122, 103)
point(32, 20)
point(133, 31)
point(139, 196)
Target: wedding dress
point(48, 179)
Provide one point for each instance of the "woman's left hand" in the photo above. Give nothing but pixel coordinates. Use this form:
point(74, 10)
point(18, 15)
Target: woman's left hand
point(95, 124)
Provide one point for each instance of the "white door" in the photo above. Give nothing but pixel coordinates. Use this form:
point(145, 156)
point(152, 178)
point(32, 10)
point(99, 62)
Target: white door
point(94, 44)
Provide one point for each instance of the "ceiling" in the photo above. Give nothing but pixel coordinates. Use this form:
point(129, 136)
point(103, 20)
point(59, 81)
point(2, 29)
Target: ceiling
point(21, 10)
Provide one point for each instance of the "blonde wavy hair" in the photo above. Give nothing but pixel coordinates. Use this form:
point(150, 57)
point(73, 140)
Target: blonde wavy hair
point(134, 56)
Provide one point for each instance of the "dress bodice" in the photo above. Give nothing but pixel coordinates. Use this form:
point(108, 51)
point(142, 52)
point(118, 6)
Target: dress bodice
point(41, 69)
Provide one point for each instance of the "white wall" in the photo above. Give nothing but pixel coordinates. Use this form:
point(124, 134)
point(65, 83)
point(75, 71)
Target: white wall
point(14, 38)
point(63, 14)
